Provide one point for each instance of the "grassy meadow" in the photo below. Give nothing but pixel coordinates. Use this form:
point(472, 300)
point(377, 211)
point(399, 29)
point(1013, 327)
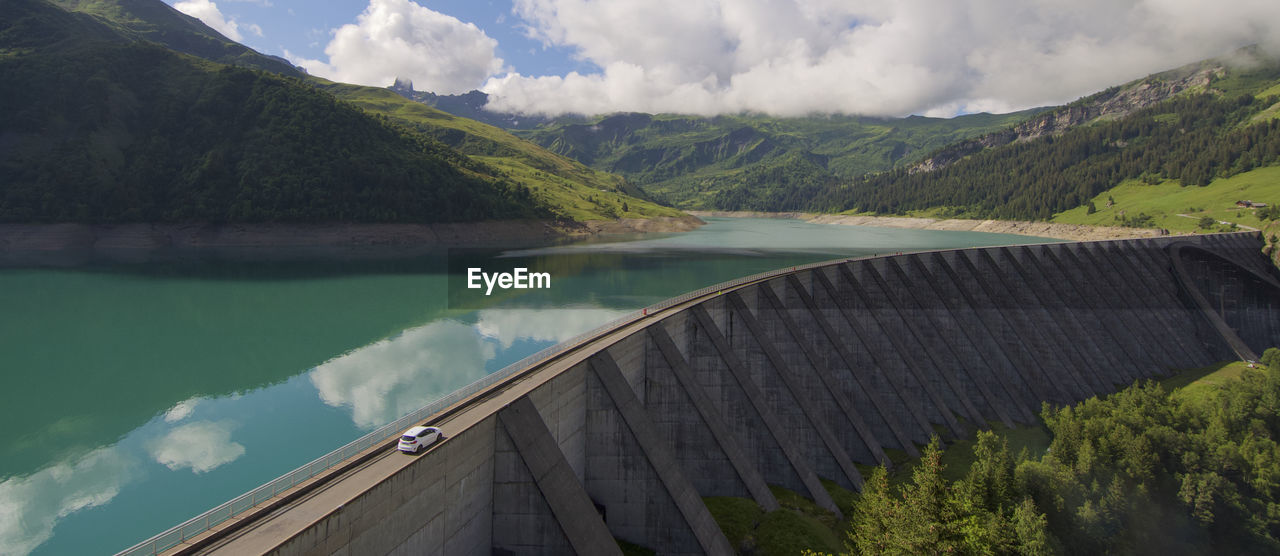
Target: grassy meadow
point(1179, 208)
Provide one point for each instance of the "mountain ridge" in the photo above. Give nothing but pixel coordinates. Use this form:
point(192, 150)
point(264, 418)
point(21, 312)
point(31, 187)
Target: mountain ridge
point(753, 162)
point(86, 140)
point(688, 160)
point(1114, 102)
point(160, 23)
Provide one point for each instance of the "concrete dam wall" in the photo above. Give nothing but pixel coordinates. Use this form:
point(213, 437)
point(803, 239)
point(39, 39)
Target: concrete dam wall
point(787, 381)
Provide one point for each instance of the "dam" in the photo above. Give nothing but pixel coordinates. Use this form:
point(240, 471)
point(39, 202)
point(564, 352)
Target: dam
point(791, 378)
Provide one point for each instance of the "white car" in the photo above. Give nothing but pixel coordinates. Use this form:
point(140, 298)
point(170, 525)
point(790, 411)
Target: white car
point(417, 438)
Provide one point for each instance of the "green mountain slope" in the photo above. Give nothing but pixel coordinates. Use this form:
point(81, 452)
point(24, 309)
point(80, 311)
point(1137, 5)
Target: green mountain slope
point(561, 188)
point(1220, 126)
point(98, 127)
point(1177, 208)
point(1020, 167)
point(697, 162)
point(469, 105)
point(155, 21)
point(1247, 71)
point(103, 121)
point(572, 189)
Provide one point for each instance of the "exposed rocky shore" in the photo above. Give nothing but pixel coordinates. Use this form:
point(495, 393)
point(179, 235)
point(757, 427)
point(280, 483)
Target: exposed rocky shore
point(57, 237)
point(1073, 232)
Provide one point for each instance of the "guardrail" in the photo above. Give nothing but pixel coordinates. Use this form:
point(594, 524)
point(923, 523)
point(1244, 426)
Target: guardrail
point(248, 500)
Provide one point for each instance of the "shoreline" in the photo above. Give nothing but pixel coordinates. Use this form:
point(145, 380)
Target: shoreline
point(1073, 232)
point(152, 236)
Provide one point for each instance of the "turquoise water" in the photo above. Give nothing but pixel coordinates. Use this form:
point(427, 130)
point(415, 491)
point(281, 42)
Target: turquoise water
point(138, 395)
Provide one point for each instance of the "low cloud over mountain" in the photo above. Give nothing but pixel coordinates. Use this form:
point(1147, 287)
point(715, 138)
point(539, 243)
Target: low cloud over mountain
point(795, 57)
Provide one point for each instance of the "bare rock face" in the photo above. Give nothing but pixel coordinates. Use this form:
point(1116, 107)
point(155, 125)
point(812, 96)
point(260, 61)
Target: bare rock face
point(403, 85)
point(1115, 102)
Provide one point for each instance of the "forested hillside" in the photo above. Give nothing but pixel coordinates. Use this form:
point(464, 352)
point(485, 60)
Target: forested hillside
point(127, 111)
point(1192, 138)
point(1143, 471)
point(100, 128)
point(154, 21)
point(572, 189)
point(566, 188)
point(691, 161)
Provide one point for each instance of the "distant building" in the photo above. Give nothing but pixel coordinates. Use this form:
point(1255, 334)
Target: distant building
point(1249, 204)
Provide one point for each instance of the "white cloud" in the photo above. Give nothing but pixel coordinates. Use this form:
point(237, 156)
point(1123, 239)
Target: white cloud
point(398, 38)
point(389, 378)
point(31, 506)
point(882, 57)
point(200, 446)
point(208, 12)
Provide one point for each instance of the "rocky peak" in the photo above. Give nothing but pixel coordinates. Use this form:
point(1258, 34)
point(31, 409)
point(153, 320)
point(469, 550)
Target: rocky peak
point(403, 85)
point(1115, 102)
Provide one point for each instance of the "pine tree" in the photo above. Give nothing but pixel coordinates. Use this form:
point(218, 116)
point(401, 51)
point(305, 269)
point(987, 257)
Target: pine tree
point(877, 518)
point(990, 477)
point(1031, 530)
point(924, 530)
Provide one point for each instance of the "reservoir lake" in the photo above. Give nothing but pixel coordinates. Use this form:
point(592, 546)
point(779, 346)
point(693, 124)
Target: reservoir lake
point(141, 391)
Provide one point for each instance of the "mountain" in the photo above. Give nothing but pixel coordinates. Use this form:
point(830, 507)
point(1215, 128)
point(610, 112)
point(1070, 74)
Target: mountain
point(158, 22)
point(127, 110)
point(847, 163)
point(691, 161)
point(1230, 75)
point(572, 189)
point(468, 105)
point(96, 126)
point(581, 192)
point(1191, 126)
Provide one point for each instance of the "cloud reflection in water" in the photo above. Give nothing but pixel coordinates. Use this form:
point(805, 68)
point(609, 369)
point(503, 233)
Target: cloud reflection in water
point(201, 446)
point(31, 505)
point(389, 378)
point(540, 325)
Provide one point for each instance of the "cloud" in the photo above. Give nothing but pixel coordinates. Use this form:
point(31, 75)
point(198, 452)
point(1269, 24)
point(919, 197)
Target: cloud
point(200, 446)
point(398, 38)
point(208, 12)
point(31, 506)
point(387, 379)
point(878, 57)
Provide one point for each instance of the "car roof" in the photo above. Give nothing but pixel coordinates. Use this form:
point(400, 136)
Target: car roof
point(415, 431)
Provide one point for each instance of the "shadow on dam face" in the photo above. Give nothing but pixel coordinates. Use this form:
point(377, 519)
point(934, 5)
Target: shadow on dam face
point(789, 380)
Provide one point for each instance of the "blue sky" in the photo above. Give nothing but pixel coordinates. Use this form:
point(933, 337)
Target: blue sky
point(781, 57)
point(303, 28)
